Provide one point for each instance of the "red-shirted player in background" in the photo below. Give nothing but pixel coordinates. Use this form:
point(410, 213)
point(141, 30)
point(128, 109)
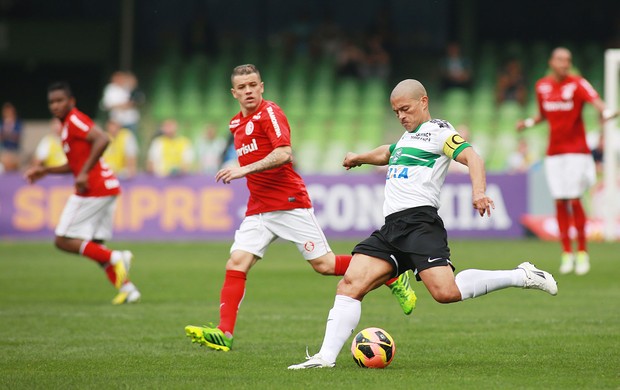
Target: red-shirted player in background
point(278, 207)
point(569, 166)
point(87, 219)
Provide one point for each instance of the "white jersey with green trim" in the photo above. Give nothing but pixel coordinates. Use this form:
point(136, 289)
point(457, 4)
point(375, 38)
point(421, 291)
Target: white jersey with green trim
point(418, 165)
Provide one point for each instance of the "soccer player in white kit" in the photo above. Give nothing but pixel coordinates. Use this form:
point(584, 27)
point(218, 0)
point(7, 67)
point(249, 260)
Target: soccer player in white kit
point(278, 207)
point(87, 219)
point(569, 165)
point(413, 236)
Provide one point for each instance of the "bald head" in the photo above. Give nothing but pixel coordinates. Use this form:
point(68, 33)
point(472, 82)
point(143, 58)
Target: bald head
point(560, 62)
point(561, 52)
point(410, 103)
point(409, 88)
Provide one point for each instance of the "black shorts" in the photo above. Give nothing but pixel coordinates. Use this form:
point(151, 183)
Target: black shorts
point(412, 239)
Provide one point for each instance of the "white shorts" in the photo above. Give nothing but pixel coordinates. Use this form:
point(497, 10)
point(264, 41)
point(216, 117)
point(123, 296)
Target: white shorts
point(569, 175)
point(298, 226)
point(88, 218)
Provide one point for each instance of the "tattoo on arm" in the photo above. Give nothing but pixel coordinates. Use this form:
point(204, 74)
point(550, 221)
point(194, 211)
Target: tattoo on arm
point(276, 158)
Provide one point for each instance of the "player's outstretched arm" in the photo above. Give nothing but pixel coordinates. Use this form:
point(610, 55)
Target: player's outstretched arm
point(378, 156)
point(278, 157)
point(477, 175)
point(529, 122)
point(35, 173)
point(606, 113)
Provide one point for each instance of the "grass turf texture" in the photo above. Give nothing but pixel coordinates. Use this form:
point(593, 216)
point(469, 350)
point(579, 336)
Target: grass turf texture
point(59, 330)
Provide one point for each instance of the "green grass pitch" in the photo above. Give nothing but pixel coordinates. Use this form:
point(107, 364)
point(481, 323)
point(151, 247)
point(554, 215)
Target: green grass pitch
point(59, 330)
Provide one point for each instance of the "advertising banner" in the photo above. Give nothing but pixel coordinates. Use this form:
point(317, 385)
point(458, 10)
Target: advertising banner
point(347, 206)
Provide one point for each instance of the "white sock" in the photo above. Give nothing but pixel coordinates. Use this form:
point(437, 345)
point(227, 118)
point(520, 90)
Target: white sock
point(474, 282)
point(128, 287)
point(116, 257)
point(342, 320)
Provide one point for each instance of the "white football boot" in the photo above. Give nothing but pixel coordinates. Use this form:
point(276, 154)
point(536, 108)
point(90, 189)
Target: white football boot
point(538, 279)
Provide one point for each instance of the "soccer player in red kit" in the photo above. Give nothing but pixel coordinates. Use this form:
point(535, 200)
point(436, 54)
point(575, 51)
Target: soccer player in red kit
point(87, 219)
point(569, 165)
point(278, 207)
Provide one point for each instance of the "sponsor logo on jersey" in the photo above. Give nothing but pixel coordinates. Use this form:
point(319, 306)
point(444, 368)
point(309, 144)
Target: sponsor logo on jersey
point(545, 88)
point(234, 124)
point(245, 149)
point(78, 123)
point(425, 137)
point(249, 128)
point(588, 87)
point(274, 121)
point(558, 106)
point(397, 172)
point(111, 183)
point(257, 116)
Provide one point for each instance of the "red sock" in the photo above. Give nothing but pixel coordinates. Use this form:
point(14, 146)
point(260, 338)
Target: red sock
point(391, 281)
point(561, 208)
point(96, 252)
point(109, 271)
point(342, 263)
point(579, 217)
point(231, 296)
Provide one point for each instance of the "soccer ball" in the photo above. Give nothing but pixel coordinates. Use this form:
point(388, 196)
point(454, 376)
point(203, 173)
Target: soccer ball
point(373, 348)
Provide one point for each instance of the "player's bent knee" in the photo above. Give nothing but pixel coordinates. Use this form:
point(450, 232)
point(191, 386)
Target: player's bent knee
point(353, 288)
point(61, 243)
point(446, 296)
point(322, 266)
point(241, 261)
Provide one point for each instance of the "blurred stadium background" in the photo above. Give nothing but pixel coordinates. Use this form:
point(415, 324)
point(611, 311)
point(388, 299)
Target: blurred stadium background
point(182, 54)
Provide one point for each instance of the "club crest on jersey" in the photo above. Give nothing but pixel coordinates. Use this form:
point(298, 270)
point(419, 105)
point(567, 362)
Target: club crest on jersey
point(309, 246)
point(249, 128)
point(396, 155)
point(568, 91)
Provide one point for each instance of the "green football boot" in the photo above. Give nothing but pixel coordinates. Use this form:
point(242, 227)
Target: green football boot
point(211, 337)
point(401, 289)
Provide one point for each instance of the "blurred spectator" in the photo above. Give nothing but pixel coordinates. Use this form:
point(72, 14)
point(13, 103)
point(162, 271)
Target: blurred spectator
point(10, 137)
point(377, 62)
point(200, 37)
point(327, 36)
point(455, 69)
point(170, 154)
point(121, 98)
point(122, 151)
point(511, 83)
point(209, 149)
point(350, 59)
point(49, 151)
point(520, 160)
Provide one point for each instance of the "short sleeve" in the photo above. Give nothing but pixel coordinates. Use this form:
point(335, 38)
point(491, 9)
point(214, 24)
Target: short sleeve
point(276, 127)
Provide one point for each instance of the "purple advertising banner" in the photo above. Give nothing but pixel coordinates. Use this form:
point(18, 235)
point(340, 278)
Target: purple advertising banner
point(347, 206)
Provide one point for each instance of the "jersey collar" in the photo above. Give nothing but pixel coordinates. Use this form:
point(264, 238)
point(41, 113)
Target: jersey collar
point(417, 128)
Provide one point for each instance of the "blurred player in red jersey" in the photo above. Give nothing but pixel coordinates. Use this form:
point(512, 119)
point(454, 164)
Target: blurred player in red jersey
point(87, 219)
point(569, 166)
point(278, 207)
